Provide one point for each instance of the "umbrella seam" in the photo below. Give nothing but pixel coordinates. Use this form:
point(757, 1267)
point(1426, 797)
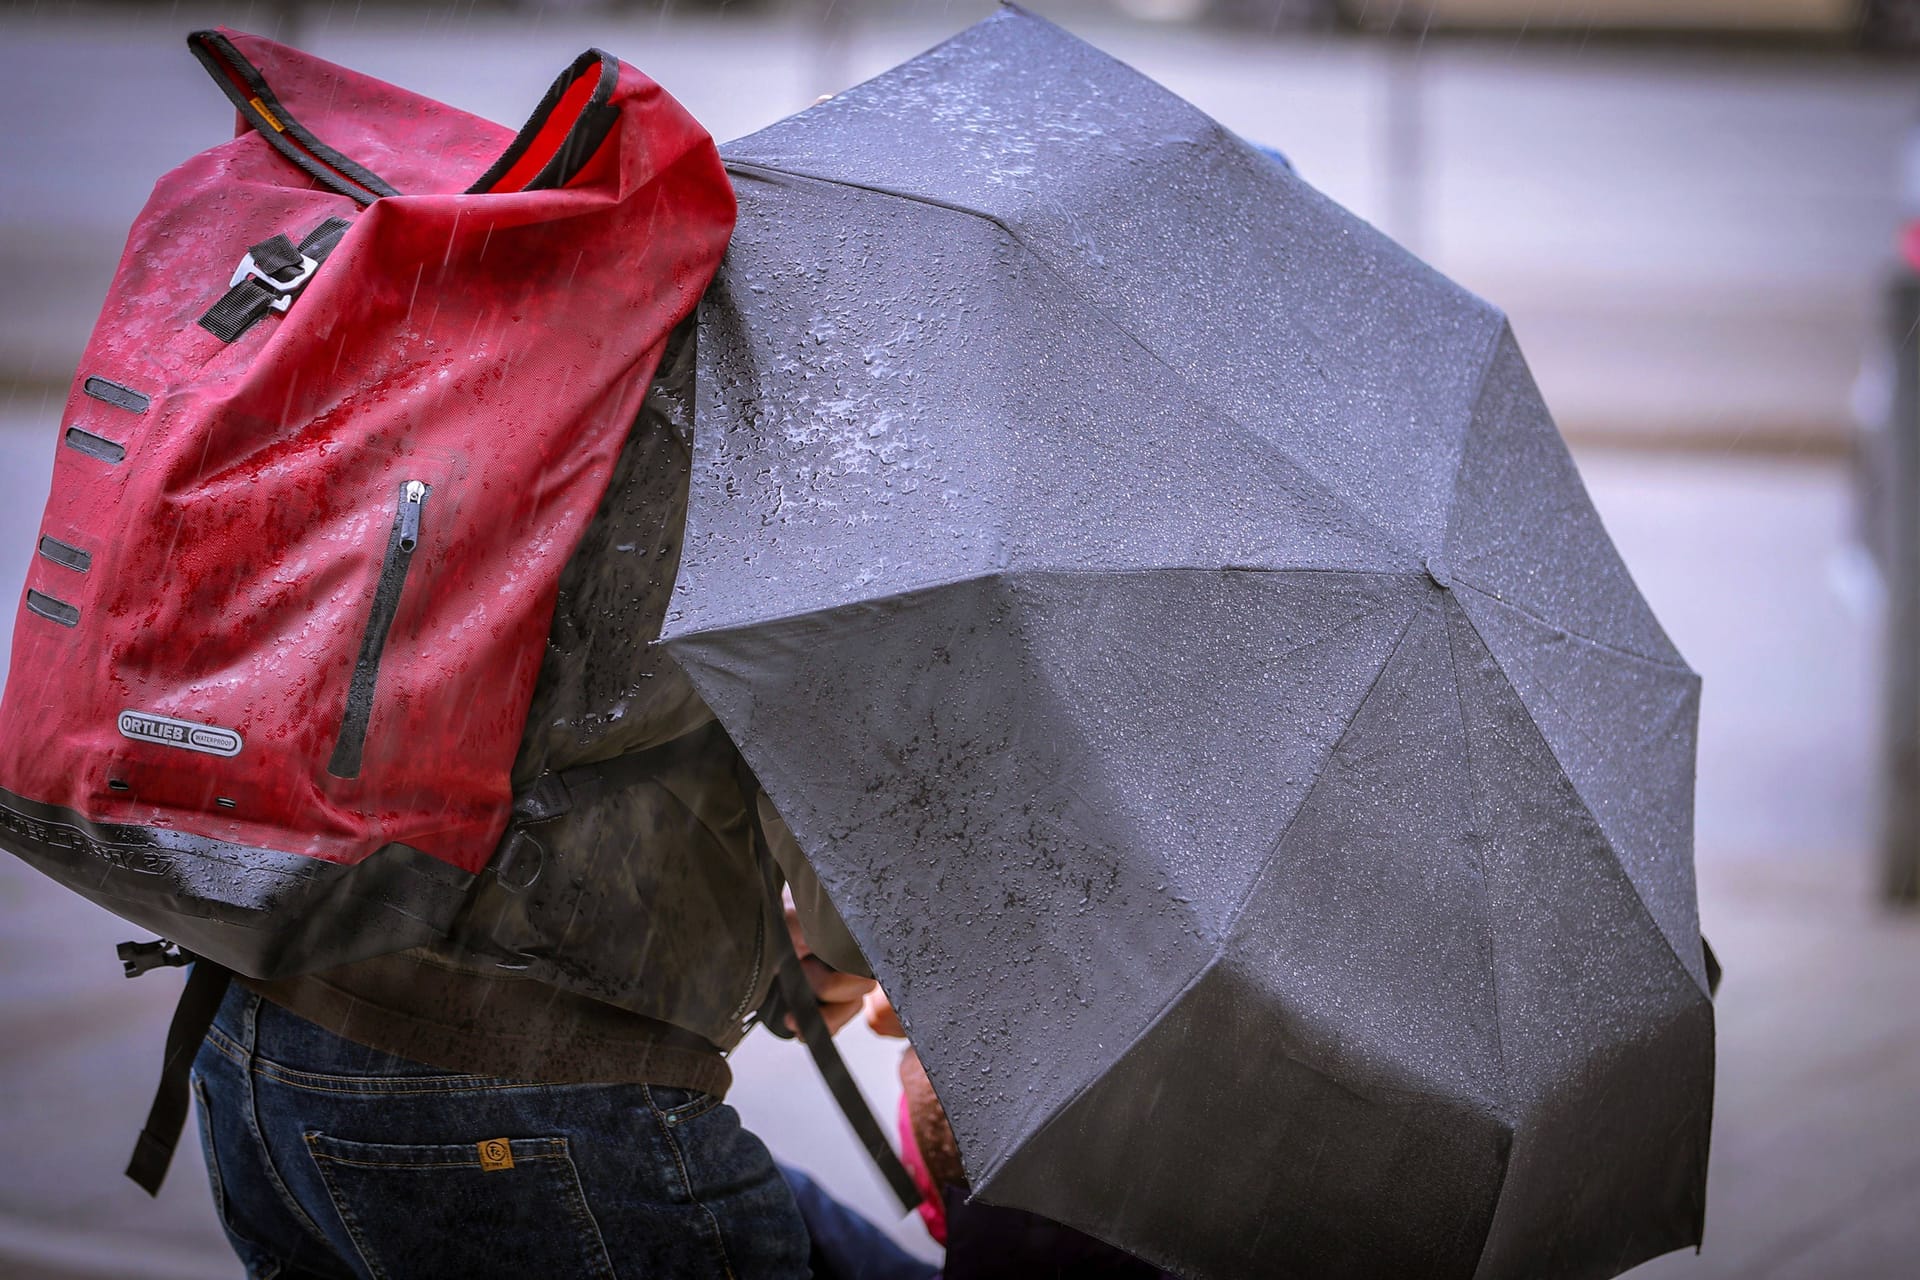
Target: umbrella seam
point(1587, 807)
point(1493, 966)
point(1273, 849)
point(1497, 598)
point(1501, 326)
point(944, 583)
point(1387, 537)
point(1466, 740)
point(1213, 962)
point(1504, 329)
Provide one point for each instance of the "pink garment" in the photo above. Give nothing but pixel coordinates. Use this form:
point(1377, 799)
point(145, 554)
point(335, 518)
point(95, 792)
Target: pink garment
point(933, 1205)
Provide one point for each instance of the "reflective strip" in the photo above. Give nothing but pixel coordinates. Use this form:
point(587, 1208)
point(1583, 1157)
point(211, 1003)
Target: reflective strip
point(59, 611)
point(113, 393)
point(95, 446)
point(66, 554)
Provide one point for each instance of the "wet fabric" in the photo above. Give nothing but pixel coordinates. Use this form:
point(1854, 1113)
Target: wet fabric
point(356, 389)
point(481, 1019)
point(637, 920)
point(330, 1160)
point(1176, 633)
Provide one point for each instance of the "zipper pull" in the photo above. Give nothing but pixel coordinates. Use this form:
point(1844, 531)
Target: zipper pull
point(412, 494)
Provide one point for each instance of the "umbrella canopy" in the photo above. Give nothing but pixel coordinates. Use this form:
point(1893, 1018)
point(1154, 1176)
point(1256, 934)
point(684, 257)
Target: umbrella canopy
point(1170, 622)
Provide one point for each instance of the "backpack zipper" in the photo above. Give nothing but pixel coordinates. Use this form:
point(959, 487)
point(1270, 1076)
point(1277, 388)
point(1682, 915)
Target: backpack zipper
point(401, 542)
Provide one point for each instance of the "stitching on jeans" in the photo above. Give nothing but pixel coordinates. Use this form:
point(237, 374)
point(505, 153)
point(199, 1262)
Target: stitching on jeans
point(222, 1043)
point(323, 1083)
point(702, 1103)
point(250, 1022)
point(518, 1159)
point(383, 1088)
point(571, 1193)
point(213, 1154)
point(340, 1208)
point(256, 1251)
point(439, 1155)
point(692, 1112)
point(686, 1181)
point(583, 1219)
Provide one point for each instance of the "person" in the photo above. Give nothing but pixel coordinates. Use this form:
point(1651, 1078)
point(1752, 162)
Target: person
point(983, 1241)
point(542, 1093)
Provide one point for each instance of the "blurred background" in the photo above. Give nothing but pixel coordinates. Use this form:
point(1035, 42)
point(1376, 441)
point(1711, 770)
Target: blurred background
point(1703, 217)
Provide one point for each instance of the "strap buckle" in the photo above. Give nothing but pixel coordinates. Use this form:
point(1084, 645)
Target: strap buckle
point(249, 270)
point(138, 957)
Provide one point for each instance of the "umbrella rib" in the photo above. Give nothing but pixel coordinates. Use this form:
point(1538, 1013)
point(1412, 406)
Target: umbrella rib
point(1466, 429)
point(1466, 741)
point(1493, 966)
point(1665, 664)
point(1273, 850)
point(1586, 806)
point(1159, 1015)
point(751, 167)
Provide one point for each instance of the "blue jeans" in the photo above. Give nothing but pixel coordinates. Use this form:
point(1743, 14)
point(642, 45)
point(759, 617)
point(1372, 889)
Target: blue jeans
point(330, 1159)
point(845, 1245)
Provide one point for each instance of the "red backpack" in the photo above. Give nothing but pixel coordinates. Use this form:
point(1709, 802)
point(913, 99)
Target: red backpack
point(355, 392)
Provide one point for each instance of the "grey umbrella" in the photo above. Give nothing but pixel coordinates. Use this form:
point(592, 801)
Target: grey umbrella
point(1172, 625)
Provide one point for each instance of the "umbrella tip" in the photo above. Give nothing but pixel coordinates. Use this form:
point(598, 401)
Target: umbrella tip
point(1437, 569)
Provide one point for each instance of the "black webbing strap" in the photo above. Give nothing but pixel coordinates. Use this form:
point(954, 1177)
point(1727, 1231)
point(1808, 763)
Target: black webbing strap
point(323, 239)
point(153, 1152)
point(277, 126)
point(238, 310)
point(249, 299)
point(276, 256)
point(796, 994)
point(589, 127)
point(797, 999)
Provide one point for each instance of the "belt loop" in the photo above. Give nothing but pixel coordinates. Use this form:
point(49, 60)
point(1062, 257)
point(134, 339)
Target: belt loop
point(249, 1025)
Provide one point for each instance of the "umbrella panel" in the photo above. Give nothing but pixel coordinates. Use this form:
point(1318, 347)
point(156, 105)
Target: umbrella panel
point(1622, 728)
point(1046, 350)
point(1313, 1070)
point(1279, 308)
point(921, 420)
point(1607, 1036)
point(1338, 1063)
point(1544, 587)
point(1522, 527)
point(1035, 835)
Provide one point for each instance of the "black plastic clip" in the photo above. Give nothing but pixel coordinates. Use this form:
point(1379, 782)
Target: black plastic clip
point(138, 957)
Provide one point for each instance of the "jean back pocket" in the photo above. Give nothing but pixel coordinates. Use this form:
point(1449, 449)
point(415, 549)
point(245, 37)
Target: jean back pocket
point(506, 1207)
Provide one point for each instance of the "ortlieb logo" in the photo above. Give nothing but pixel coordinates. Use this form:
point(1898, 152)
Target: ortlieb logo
point(165, 731)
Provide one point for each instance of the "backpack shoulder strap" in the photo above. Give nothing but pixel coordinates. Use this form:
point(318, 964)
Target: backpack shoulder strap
point(199, 1001)
point(795, 997)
